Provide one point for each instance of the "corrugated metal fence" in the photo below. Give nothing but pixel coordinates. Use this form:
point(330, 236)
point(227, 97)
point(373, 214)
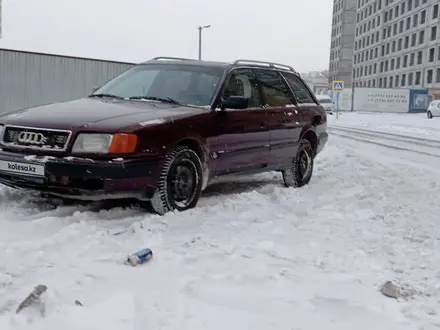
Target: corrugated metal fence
point(30, 79)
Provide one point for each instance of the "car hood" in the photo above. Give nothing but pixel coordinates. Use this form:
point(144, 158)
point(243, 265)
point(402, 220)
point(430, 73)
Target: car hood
point(92, 113)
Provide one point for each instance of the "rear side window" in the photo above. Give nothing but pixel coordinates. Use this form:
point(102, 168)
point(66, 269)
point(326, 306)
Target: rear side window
point(275, 91)
point(300, 90)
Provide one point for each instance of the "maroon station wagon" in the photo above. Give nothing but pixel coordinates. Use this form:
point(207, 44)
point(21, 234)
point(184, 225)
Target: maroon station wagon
point(163, 130)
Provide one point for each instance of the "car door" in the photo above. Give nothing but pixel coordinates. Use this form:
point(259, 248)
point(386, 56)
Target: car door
point(243, 137)
point(311, 114)
point(283, 116)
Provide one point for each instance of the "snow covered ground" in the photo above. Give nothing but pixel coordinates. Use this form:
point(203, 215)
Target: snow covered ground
point(252, 255)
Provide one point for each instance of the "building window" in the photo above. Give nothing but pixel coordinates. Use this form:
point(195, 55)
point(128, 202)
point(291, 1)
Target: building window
point(429, 74)
point(413, 39)
point(406, 42)
point(396, 81)
point(391, 82)
point(435, 11)
point(419, 57)
point(403, 81)
point(410, 79)
point(433, 33)
point(418, 75)
point(437, 79)
point(421, 37)
point(409, 5)
point(431, 55)
point(423, 17)
point(412, 59)
point(405, 61)
point(415, 19)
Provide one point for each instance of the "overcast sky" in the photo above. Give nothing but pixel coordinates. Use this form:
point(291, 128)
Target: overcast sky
point(295, 32)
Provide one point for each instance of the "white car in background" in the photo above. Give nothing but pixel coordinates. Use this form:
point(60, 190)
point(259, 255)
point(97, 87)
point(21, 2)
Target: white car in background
point(433, 109)
point(326, 102)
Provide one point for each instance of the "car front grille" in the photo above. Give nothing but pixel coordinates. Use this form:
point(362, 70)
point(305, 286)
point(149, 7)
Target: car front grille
point(36, 138)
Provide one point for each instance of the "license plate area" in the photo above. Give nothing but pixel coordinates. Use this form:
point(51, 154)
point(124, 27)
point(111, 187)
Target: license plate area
point(22, 169)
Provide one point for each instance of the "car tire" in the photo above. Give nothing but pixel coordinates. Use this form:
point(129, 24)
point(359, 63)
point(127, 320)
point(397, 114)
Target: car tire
point(429, 114)
point(300, 173)
point(183, 166)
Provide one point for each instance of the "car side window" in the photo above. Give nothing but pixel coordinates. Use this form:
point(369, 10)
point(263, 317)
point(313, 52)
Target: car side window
point(300, 90)
point(243, 83)
point(274, 89)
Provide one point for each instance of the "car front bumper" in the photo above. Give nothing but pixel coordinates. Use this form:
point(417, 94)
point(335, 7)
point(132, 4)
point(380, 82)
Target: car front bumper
point(79, 178)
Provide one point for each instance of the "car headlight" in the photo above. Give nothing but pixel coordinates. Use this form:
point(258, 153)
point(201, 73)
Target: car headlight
point(119, 143)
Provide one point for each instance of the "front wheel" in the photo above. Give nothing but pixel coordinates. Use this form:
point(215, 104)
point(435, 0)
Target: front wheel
point(180, 182)
point(300, 173)
point(429, 114)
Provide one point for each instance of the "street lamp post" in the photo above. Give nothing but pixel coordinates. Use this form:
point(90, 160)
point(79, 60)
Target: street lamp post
point(200, 39)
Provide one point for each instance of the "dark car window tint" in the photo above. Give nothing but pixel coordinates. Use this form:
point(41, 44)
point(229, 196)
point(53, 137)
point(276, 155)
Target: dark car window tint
point(187, 84)
point(300, 91)
point(243, 83)
point(274, 90)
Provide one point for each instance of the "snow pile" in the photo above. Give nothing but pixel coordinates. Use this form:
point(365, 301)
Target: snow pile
point(252, 255)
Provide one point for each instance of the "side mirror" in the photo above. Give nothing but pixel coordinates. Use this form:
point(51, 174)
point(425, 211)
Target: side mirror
point(234, 102)
point(94, 89)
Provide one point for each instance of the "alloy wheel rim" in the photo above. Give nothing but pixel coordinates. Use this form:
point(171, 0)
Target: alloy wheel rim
point(183, 184)
point(305, 164)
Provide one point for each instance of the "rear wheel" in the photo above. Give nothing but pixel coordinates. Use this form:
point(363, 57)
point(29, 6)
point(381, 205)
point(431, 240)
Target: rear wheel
point(300, 173)
point(180, 183)
point(429, 114)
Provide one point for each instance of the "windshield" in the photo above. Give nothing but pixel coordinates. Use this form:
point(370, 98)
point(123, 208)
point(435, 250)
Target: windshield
point(185, 84)
point(325, 100)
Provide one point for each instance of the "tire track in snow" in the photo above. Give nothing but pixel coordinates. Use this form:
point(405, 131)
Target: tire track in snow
point(388, 136)
point(400, 144)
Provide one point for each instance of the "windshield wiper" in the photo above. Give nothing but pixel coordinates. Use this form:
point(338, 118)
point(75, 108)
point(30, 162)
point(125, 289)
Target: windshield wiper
point(155, 98)
point(107, 95)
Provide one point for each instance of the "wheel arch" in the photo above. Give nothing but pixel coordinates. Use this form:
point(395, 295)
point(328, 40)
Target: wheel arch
point(195, 143)
point(310, 135)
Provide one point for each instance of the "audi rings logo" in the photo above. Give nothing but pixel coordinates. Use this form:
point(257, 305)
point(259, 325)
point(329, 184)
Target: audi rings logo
point(31, 138)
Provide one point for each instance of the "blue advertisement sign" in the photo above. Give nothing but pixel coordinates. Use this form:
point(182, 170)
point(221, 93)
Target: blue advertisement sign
point(419, 100)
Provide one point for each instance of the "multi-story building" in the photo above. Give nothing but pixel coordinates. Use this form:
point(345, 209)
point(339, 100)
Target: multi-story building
point(342, 41)
point(397, 44)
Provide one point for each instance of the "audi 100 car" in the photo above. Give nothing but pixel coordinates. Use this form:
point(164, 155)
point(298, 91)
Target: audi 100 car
point(163, 130)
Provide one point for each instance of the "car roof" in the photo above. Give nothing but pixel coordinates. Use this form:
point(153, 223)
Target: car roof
point(225, 65)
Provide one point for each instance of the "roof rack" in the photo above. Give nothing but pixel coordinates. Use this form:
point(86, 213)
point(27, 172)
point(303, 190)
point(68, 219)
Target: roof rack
point(264, 63)
point(171, 58)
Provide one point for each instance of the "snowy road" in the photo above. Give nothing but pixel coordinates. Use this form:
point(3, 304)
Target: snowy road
point(252, 255)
